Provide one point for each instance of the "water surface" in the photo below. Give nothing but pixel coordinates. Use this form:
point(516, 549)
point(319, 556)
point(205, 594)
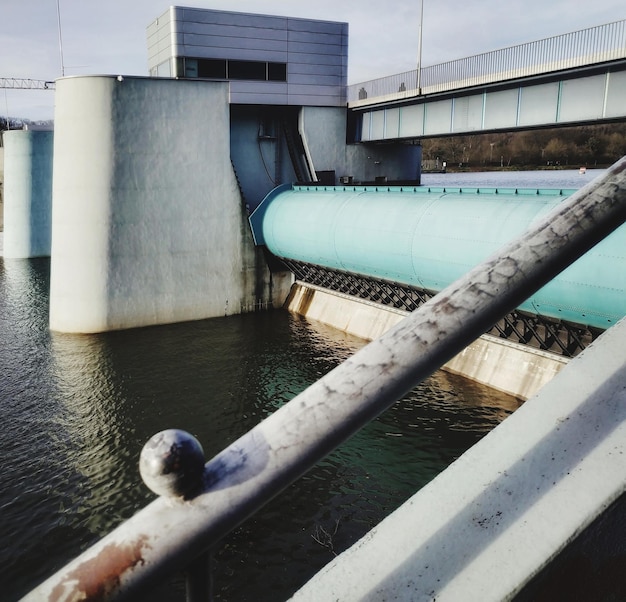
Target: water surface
point(76, 411)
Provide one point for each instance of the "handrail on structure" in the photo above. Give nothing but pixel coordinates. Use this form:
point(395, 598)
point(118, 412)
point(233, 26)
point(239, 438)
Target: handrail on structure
point(566, 51)
point(204, 502)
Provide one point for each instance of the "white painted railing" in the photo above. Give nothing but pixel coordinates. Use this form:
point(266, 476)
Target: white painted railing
point(201, 503)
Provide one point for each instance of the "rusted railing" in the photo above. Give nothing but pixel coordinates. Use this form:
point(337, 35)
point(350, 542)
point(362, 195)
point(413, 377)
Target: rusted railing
point(201, 502)
point(585, 47)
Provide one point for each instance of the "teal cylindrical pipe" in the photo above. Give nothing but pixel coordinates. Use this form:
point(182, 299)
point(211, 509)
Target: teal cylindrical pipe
point(27, 193)
point(429, 237)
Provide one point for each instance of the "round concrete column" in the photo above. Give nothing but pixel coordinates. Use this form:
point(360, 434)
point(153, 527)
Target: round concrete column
point(27, 193)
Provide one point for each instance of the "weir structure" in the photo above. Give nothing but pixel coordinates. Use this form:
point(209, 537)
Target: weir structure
point(149, 226)
point(498, 524)
point(396, 247)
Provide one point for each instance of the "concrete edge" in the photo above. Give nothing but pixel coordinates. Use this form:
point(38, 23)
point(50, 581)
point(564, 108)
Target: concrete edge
point(509, 367)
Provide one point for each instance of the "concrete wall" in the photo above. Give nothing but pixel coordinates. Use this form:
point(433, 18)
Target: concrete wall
point(258, 150)
point(262, 161)
point(515, 369)
point(148, 225)
point(325, 129)
point(27, 193)
point(1, 188)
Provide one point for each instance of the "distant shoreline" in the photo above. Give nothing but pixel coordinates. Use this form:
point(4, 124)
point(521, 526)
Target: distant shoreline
point(511, 168)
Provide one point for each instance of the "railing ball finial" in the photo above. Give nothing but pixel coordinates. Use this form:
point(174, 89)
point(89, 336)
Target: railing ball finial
point(171, 464)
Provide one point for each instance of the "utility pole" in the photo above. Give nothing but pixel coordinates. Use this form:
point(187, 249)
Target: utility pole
point(419, 51)
point(60, 38)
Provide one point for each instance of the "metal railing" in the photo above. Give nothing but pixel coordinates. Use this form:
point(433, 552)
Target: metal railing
point(204, 502)
point(567, 51)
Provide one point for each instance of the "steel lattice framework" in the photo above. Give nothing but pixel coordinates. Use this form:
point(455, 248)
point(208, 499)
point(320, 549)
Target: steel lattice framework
point(539, 332)
point(20, 83)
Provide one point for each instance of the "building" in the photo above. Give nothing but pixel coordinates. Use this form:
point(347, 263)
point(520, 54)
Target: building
point(269, 60)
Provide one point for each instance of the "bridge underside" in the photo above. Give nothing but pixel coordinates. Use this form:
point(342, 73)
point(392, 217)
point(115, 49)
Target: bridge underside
point(585, 95)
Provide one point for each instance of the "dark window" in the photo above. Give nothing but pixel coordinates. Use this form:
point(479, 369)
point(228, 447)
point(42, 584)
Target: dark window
point(231, 69)
point(212, 68)
point(277, 72)
point(247, 70)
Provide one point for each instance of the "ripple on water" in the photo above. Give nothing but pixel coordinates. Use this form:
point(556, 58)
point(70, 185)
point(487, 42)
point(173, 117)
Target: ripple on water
point(77, 410)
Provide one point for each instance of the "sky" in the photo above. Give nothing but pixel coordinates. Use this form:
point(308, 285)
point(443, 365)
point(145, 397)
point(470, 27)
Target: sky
point(109, 36)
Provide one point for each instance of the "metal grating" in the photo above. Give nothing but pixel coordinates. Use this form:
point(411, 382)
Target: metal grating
point(555, 336)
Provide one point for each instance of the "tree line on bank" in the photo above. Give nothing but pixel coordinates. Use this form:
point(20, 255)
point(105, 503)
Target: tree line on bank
point(589, 146)
point(16, 123)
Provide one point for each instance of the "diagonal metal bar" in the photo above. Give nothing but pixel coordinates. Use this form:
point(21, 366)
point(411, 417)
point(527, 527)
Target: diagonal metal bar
point(167, 535)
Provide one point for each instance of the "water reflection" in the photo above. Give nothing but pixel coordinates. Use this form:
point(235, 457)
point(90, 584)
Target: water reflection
point(78, 409)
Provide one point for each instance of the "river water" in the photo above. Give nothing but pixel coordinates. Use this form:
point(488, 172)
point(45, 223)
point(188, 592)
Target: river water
point(76, 411)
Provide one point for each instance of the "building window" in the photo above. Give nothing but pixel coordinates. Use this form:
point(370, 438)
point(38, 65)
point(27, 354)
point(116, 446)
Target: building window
point(254, 70)
point(277, 72)
point(212, 68)
point(231, 69)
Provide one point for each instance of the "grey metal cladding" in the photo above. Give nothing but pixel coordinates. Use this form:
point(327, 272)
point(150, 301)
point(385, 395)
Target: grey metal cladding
point(314, 59)
point(232, 31)
point(243, 54)
point(316, 69)
point(203, 15)
point(332, 27)
point(243, 43)
point(315, 52)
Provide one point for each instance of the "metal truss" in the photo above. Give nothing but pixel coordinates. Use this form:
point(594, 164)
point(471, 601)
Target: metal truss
point(539, 332)
point(19, 83)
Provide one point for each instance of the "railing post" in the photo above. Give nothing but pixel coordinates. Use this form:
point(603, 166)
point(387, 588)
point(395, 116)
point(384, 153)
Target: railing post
point(200, 579)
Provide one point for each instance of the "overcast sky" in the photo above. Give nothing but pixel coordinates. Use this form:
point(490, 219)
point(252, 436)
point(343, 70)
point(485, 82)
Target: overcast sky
point(109, 36)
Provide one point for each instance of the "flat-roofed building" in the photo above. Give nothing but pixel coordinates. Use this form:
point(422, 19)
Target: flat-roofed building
point(269, 60)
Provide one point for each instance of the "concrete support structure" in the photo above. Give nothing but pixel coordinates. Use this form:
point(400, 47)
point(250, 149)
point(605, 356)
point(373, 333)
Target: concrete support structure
point(148, 223)
point(261, 153)
point(1, 186)
point(516, 369)
point(396, 162)
point(27, 193)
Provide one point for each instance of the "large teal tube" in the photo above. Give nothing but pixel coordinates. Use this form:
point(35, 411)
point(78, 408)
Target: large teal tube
point(429, 237)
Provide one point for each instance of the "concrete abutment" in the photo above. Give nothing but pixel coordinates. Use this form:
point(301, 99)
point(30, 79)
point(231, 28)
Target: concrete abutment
point(148, 224)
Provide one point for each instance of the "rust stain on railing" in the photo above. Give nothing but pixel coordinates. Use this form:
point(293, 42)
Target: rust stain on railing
point(98, 577)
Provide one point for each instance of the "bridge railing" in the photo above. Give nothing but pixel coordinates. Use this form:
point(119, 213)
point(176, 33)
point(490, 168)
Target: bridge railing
point(567, 51)
point(201, 503)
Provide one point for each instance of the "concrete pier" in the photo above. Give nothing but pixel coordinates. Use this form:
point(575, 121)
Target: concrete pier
point(27, 193)
point(148, 224)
